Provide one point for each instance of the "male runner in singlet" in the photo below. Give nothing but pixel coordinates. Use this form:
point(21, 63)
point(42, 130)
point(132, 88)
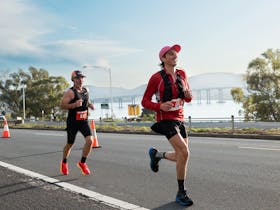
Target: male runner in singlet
point(76, 101)
point(172, 90)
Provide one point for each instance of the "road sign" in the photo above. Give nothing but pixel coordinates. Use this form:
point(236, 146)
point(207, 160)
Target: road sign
point(105, 106)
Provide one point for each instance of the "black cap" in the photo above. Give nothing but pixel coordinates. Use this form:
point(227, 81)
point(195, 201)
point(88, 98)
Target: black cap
point(77, 74)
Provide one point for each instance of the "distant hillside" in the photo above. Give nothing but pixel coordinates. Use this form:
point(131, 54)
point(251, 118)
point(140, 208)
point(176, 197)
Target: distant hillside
point(216, 80)
point(104, 92)
point(202, 81)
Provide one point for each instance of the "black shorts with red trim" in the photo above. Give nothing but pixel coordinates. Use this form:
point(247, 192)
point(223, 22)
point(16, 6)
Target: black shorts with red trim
point(170, 128)
point(73, 126)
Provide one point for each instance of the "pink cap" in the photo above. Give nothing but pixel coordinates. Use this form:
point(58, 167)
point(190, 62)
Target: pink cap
point(165, 49)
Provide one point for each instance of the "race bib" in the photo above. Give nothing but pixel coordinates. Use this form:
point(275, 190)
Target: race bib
point(81, 115)
point(177, 104)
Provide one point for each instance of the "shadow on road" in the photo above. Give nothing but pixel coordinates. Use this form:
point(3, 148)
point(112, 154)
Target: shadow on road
point(37, 154)
point(171, 205)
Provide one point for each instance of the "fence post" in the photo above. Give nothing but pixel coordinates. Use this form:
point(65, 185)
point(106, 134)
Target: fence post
point(232, 123)
point(190, 124)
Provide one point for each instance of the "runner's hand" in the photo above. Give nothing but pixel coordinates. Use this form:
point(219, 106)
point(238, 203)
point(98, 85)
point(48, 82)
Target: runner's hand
point(79, 103)
point(166, 106)
point(91, 106)
point(188, 94)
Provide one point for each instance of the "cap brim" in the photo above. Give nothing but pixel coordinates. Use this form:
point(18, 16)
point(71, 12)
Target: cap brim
point(79, 76)
point(176, 47)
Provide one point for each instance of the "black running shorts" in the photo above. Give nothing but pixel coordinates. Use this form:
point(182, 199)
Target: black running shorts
point(170, 128)
point(74, 126)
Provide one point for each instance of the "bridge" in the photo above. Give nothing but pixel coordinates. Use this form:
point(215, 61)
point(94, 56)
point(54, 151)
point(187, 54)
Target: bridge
point(219, 94)
point(208, 94)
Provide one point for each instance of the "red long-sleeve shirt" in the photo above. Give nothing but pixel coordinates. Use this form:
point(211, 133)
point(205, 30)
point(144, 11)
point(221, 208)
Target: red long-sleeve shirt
point(156, 86)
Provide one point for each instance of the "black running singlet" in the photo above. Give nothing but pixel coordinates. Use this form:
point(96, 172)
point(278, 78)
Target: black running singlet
point(79, 113)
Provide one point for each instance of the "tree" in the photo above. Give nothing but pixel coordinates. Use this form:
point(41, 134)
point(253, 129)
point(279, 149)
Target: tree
point(263, 80)
point(42, 92)
point(11, 91)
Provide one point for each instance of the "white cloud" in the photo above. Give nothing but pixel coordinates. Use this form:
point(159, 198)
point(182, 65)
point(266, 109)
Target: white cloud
point(23, 30)
point(21, 26)
point(88, 51)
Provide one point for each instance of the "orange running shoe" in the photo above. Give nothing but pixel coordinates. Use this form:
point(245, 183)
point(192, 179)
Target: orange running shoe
point(84, 168)
point(64, 168)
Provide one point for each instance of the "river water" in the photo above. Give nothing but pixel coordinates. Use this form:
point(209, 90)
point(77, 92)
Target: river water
point(193, 109)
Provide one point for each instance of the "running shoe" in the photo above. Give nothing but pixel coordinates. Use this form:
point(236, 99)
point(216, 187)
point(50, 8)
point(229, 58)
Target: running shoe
point(84, 168)
point(64, 168)
point(154, 160)
point(183, 199)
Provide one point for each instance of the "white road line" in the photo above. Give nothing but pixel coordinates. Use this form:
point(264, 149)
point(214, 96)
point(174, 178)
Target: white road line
point(48, 134)
point(261, 148)
point(73, 188)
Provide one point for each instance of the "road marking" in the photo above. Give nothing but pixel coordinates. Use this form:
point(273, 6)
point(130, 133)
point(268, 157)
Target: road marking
point(49, 134)
point(261, 148)
point(110, 201)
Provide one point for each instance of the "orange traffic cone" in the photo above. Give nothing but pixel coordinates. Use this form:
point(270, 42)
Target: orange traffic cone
point(95, 141)
point(6, 132)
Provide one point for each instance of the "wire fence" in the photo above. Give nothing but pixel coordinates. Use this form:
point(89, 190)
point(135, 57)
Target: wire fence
point(225, 122)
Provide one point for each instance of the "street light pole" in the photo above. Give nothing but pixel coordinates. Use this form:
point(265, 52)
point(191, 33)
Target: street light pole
point(111, 94)
point(23, 103)
point(110, 81)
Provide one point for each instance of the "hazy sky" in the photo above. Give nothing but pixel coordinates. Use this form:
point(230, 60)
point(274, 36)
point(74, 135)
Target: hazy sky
point(126, 36)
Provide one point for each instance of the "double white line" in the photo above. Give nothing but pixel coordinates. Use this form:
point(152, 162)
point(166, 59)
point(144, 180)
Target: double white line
point(261, 148)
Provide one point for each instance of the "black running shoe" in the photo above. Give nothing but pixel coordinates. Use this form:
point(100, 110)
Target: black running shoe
point(183, 199)
point(154, 160)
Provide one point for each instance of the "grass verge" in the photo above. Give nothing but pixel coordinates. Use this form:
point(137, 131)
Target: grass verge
point(147, 130)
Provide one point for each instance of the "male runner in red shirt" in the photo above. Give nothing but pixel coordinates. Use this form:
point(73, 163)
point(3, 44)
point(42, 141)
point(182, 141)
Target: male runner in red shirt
point(171, 89)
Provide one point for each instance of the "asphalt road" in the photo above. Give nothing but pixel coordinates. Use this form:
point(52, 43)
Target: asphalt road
point(223, 173)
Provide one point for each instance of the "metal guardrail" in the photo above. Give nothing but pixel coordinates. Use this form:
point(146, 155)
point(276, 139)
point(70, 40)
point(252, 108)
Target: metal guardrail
point(224, 122)
point(230, 122)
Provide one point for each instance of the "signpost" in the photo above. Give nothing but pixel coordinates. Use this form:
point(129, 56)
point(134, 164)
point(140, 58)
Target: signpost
point(104, 106)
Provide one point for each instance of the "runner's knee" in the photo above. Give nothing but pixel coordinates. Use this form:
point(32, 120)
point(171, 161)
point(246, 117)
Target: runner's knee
point(89, 140)
point(183, 152)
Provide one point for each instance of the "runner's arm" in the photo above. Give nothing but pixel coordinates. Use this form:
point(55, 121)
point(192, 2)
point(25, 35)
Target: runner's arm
point(67, 97)
point(149, 92)
point(187, 89)
point(90, 105)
